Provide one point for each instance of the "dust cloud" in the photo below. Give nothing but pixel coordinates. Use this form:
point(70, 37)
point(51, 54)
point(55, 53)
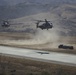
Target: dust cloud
point(41, 37)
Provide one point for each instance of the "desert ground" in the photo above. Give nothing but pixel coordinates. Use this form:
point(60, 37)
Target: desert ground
point(24, 66)
point(24, 40)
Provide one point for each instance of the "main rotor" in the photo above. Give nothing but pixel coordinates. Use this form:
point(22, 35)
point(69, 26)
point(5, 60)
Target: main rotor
point(42, 20)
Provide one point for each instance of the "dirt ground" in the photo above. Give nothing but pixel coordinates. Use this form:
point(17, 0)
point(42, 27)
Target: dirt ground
point(22, 36)
point(4, 36)
point(24, 66)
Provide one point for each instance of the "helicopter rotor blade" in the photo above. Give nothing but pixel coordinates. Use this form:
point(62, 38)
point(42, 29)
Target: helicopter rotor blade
point(41, 21)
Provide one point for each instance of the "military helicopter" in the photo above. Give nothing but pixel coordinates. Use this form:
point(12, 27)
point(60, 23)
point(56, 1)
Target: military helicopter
point(5, 23)
point(47, 25)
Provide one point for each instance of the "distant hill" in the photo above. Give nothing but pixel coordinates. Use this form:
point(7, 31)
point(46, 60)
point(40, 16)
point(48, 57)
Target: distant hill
point(67, 21)
point(22, 9)
point(63, 16)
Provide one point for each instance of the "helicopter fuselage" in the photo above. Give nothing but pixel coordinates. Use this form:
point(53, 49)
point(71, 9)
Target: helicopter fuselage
point(45, 26)
point(5, 24)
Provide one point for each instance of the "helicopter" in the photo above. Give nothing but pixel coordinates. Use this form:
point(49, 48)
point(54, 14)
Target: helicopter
point(5, 23)
point(47, 25)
